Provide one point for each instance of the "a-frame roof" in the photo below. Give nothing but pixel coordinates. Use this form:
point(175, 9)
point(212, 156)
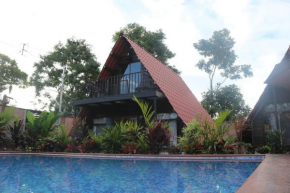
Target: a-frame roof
point(174, 88)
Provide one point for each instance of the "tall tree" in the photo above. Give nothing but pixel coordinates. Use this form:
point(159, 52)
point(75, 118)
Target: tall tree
point(153, 42)
point(219, 55)
point(227, 97)
point(10, 74)
point(81, 68)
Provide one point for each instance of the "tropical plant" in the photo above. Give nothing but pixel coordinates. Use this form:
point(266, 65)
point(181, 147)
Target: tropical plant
point(130, 147)
point(157, 133)
point(249, 148)
point(191, 139)
point(158, 136)
point(213, 134)
point(91, 144)
point(146, 110)
point(275, 139)
point(40, 127)
point(264, 149)
point(239, 126)
point(6, 117)
point(143, 144)
point(15, 134)
point(112, 138)
point(174, 150)
point(78, 132)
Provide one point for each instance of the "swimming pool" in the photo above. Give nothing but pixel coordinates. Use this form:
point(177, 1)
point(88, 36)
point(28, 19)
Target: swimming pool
point(63, 174)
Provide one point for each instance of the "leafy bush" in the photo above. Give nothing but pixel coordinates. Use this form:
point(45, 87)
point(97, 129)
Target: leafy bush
point(158, 136)
point(157, 133)
point(250, 149)
point(79, 131)
point(40, 127)
point(264, 149)
point(112, 139)
point(191, 138)
point(143, 145)
point(6, 117)
point(130, 147)
point(174, 150)
point(213, 134)
point(276, 141)
point(91, 144)
point(15, 134)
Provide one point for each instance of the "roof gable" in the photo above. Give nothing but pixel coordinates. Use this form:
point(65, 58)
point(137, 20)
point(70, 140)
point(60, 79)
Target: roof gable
point(177, 92)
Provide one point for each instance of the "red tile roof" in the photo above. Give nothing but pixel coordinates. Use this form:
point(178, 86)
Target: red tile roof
point(177, 92)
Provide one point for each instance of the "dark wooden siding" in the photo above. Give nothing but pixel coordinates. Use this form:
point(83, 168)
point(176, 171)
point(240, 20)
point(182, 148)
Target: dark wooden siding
point(258, 130)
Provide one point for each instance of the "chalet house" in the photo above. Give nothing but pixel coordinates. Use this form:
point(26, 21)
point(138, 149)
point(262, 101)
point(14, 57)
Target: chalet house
point(272, 111)
point(131, 70)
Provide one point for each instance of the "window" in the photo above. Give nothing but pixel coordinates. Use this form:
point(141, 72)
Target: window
point(131, 79)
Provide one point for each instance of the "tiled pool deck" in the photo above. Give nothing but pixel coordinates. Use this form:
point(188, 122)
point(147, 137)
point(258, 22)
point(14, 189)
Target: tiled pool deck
point(272, 175)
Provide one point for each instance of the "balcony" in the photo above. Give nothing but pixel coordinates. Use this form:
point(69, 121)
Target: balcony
point(139, 82)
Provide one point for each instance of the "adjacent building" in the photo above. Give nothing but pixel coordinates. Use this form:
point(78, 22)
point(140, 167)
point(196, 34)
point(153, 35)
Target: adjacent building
point(272, 111)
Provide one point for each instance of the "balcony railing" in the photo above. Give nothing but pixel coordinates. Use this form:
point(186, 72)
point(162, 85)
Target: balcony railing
point(122, 84)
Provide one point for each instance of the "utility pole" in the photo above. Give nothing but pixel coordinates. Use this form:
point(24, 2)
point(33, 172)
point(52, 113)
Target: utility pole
point(61, 90)
point(23, 49)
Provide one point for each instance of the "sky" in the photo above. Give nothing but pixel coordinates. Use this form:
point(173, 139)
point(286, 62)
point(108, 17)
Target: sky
point(260, 28)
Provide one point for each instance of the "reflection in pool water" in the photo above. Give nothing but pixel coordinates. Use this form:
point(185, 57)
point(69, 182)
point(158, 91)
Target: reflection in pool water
point(58, 174)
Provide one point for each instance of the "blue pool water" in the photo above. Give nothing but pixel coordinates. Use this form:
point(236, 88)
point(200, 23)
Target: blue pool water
point(77, 175)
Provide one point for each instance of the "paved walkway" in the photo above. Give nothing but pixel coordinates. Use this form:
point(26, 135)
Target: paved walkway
point(272, 175)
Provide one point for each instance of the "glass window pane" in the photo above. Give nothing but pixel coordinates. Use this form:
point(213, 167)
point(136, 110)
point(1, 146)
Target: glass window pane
point(136, 67)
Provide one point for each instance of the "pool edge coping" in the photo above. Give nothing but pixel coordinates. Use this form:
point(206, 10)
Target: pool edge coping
point(170, 157)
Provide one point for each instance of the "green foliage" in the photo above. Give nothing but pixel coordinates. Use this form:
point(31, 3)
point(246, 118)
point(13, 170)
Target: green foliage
point(146, 110)
point(153, 42)
point(227, 97)
point(10, 74)
point(230, 139)
point(264, 149)
point(213, 135)
point(81, 68)
point(276, 141)
point(130, 147)
point(6, 117)
point(191, 138)
point(174, 150)
point(143, 144)
point(158, 136)
point(40, 127)
point(79, 131)
point(112, 138)
point(250, 149)
point(15, 134)
point(219, 55)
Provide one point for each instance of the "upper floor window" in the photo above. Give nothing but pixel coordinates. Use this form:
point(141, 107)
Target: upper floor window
point(133, 68)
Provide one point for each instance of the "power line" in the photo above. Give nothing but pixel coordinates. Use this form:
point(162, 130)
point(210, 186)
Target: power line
point(23, 48)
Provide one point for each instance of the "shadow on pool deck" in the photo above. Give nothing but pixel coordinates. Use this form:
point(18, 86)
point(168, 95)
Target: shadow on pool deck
point(272, 175)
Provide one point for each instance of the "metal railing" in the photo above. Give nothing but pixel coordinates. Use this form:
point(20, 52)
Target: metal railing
point(121, 84)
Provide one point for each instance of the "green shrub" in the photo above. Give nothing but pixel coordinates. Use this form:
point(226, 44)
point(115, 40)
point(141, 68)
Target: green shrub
point(250, 149)
point(15, 134)
point(276, 141)
point(174, 150)
point(143, 145)
point(112, 139)
point(40, 127)
point(264, 149)
point(191, 137)
point(79, 131)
